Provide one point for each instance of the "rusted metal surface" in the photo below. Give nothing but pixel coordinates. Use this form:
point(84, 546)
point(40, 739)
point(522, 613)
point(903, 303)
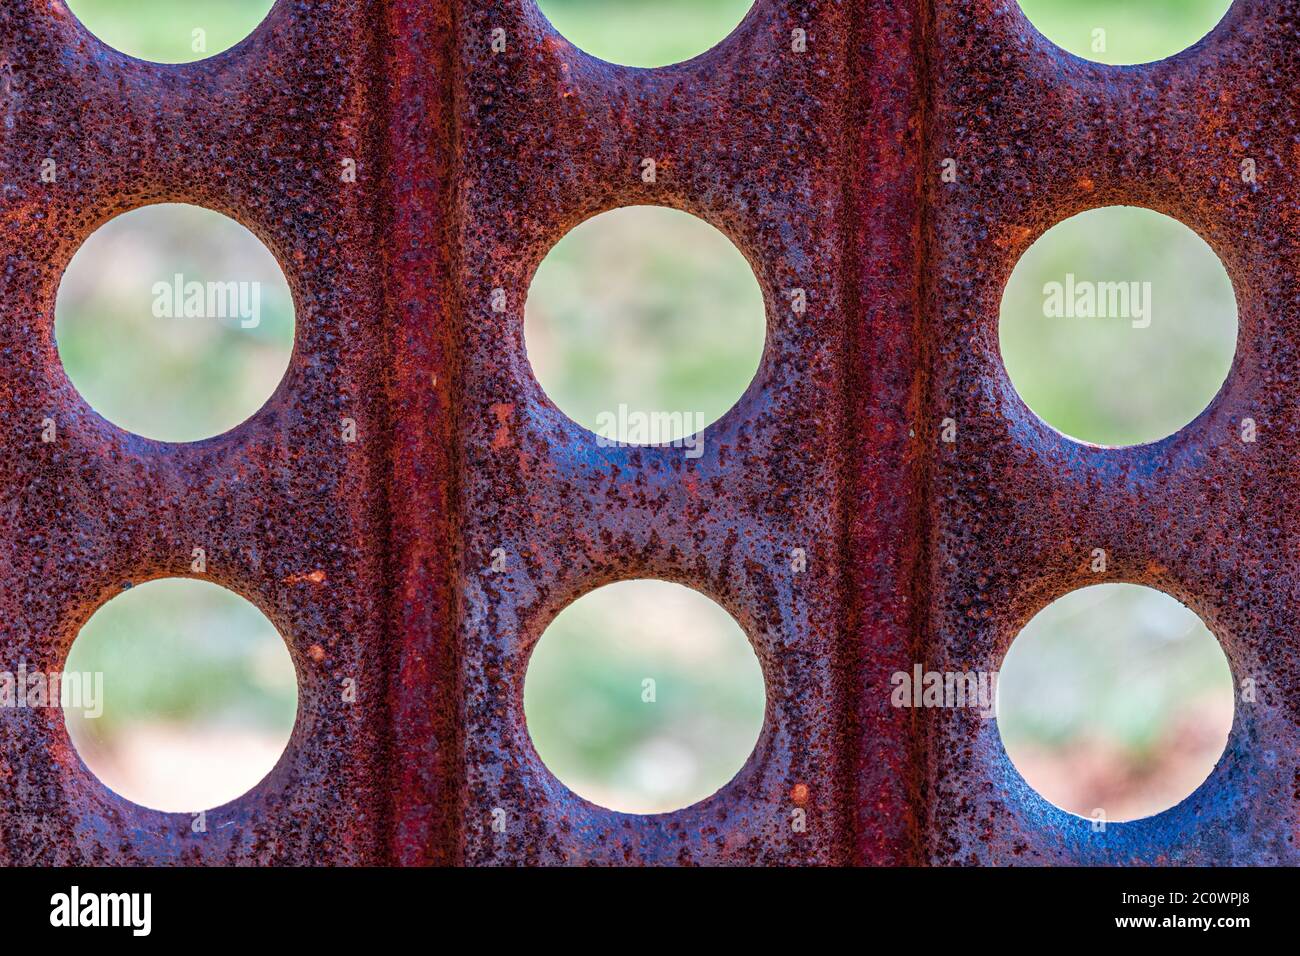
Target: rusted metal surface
point(256, 133)
point(1016, 509)
point(823, 167)
point(747, 137)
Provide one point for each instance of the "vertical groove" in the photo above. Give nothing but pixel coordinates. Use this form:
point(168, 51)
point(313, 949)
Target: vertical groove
point(426, 749)
point(884, 379)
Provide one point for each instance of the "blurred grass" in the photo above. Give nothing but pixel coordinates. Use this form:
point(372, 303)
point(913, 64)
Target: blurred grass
point(1115, 696)
point(1102, 379)
point(162, 30)
point(1137, 31)
point(645, 32)
point(185, 653)
point(656, 32)
point(584, 688)
point(647, 306)
point(655, 309)
point(173, 379)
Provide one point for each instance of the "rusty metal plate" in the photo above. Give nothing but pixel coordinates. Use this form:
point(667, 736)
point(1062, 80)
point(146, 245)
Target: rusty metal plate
point(373, 557)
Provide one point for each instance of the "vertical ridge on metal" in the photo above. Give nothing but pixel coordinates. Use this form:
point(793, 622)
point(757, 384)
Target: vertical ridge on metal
point(822, 164)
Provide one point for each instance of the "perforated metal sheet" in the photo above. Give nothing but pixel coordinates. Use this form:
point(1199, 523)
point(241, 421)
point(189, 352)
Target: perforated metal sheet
point(373, 558)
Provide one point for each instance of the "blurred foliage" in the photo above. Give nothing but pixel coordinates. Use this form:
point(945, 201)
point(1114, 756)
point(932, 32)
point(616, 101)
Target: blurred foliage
point(1151, 665)
point(163, 30)
point(192, 643)
point(583, 696)
point(647, 306)
point(645, 32)
point(1102, 379)
point(190, 653)
point(174, 379)
point(1105, 700)
point(1137, 31)
point(1101, 687)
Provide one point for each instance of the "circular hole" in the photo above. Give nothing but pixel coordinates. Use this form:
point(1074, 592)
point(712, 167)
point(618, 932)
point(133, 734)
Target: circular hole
point(170, 31)
point(644, 697)
point(645, 32)
point(1118, 326)
point(644, 325)
point(1124, 31)
point(174, 322)
point(195, 695)
point(1115, 698)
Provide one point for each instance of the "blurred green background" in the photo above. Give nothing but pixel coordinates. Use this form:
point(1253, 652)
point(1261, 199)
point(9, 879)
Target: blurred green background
point(619, 292)
point(657, 32)
point(163, 30)
point(645, 32)
point(1136, 31)
point(585, 696)
point(1107, 379)
point(173, 379)
point(1115, 697)
point(199, 694)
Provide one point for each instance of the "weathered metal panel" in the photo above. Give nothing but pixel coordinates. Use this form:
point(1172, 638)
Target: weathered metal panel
point(749, 137)
point(257, 133)
point(822, 166)
point(1016, 509)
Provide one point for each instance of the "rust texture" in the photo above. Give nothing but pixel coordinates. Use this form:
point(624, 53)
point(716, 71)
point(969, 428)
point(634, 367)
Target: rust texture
point(256, 133)
point(1015, 509)
point(374, 557)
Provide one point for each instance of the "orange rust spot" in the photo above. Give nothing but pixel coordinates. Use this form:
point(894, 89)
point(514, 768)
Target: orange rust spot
point(1014, 236)
point(1085, 184)
point(316, 653)
point(799, 794)
point(313, 577)
point(502, 411)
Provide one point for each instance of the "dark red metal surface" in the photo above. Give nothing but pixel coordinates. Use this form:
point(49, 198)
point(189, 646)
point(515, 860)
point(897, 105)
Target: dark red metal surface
point(1015, 509)
point(374, 558)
